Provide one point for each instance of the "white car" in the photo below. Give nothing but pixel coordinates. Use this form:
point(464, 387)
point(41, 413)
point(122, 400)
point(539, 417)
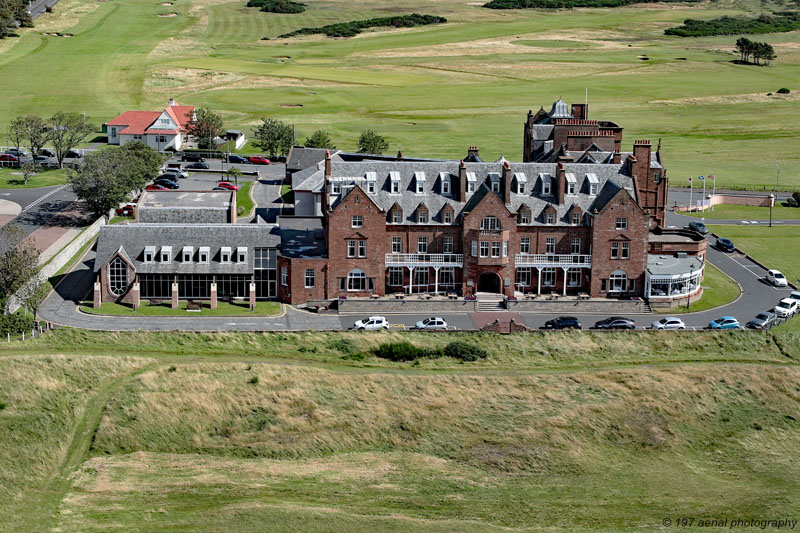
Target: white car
point(433, 322)
point(795, 295)
point(786, 308)
point(668, 322)
point(371, 323)
point(776, 278)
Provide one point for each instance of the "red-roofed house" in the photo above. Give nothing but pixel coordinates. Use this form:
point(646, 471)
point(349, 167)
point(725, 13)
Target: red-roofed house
point(158, 129)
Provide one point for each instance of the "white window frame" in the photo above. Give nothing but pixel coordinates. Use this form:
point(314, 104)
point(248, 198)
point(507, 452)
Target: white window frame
point(496, 248)
point(165, 255)
point(352, 248)
point(490, 223)
point(524, 277)
point(362, 248)
point(396, 276)
point(336, 187)
point(448, 217)
point(575, 246)
point(576, 219)
point(225, 254)
point(241, 254)
point(549, 277)
point(550, 245)
point(525, 217)
point(117, 276)
point(397, 217)
point(188, 254)
point(474, 248)
point(310, 275)
point(447, 245)
point(622, 223)
point(484, 248)
point(149, 254)
point(422, 217)
point(422, 245)
point(625, 251)
point(204, 255)
point(284, 276)
point(357, 221)
point(356, 280)
point(370, 187)
point(615, 250)
point(525, 245)
point(574, 277)
point(397, 245)
point(550, 218)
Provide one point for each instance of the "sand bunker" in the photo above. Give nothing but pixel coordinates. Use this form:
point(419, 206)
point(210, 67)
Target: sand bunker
point(173, 14)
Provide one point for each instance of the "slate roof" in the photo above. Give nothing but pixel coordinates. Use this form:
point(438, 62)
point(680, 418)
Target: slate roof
point(611, 178)
point(302, 237)
point(301, 157)
point(134, 238)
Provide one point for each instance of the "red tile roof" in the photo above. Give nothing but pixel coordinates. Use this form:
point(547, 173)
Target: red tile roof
point(139, 122)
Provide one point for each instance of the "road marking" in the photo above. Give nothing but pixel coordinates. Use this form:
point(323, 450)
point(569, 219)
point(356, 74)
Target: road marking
point(45, 197)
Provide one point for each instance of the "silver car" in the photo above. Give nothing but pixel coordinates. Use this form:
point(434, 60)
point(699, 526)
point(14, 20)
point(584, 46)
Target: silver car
point(371, 323)
point(433, 322)
point(668, 322)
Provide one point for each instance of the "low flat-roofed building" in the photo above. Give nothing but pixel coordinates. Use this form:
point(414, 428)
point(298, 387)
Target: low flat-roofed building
point(186, 207)
point(671, 279)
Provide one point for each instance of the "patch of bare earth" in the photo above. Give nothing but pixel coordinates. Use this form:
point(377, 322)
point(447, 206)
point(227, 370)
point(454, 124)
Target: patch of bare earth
point(729, 99)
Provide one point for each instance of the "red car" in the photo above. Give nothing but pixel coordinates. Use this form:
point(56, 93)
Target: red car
point(259, 160)
point(14, 159)
point(227, 185)
point(126, 210)
point(156, 187)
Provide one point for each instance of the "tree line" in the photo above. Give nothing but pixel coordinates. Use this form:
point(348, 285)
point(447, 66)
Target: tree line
point(277, 6)
point(13, 15)
point(275, 137)
point(776, 23)
point(354, 27)
point(561, 4)
point(756, 51)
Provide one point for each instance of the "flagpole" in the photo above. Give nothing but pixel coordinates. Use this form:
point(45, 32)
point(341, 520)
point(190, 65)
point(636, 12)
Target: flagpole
point(690, 195)
point(713, 189)
point(704, 199)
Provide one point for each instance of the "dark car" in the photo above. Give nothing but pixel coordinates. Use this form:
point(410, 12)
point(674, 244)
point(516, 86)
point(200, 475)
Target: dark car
point(72, 154)
point(725, 245)
point(172, 176)
point(615, 322)
point(763, 320)
point(233, 158)
point(219, 189)
point(17, 152)
point(48, 153)
point(203, 166)
point(699, 227)
point(192, 157)
point(169, 184)
point(563, 322)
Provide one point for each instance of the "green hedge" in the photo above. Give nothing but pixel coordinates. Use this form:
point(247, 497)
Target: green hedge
point(352, 28)
point(277, 6)
point(779, 22)
point(16, 324)
point(555, 4)
point(405, 351)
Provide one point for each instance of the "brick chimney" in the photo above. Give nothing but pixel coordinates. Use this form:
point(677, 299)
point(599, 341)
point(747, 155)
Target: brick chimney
point(560, 183)
point(641, 151)
point(326, 184)
point(171, 102)
point(462, 182)
point(472, 150)
point(505, 182)
point(399, 155)
point(580, 111)
point(616, 158)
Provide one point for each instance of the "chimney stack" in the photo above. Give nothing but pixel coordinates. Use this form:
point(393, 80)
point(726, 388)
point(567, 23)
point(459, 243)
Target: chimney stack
point(641, 151)
point(472, 150)
point(560, 183)
point(462, 182)
point(171, 102)
point(326, 184)
point(399, 155)
point(506, 182)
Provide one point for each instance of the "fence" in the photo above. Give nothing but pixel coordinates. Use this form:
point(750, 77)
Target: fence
point(14, 302)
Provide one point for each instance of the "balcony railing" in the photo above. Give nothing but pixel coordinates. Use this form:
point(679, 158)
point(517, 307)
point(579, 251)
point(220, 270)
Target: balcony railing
point(425, 260)
point(549, 260)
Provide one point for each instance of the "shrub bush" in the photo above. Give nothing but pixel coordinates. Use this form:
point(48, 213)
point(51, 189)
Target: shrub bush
point(399, 351)
point(277, 6)
point(465, 351)
point(783, 90)
point(254, 380)
point(352, 28)
point(16, 324)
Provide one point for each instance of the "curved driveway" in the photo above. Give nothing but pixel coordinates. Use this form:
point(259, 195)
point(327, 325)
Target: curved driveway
point(61, 306)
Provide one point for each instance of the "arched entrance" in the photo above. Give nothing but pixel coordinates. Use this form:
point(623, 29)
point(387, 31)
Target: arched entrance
point(489, 282)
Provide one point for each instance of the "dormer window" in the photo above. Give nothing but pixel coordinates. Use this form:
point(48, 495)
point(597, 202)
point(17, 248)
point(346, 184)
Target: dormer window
point(241, 254)
point(225, 254)
point(522, 182)
point(551, 218)
point(422, 217)
point(448, 217)
point(525, 217)
point(336, 187)
point(445, 177)
point(572, 183)
point(594, 183)
point(149, 254)
point(166, 254)
point(397, 217)
point(394, 182)
point(203, 254)
point(576, 219)
point(371, 187)
point(657, 176)
point(188, 254)
point(419, 179)
point(472, 182)
point(371, 178)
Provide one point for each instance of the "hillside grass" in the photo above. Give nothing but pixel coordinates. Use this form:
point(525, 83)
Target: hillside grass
point(432, 91)
point(747, 212)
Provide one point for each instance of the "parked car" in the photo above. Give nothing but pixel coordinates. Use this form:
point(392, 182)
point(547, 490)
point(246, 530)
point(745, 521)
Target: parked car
point(126, 210)
point(699, 227)
point(219, 189)
point(786, 308)
point(228, 185)
point(202, 166)
point(48, 153)
point(776, 278)
point(172, 176)
point(724, 322)
point(668, 323)
point(563, 322)
point(258, 160)
point(233, 158)
point(795, 295)
point(169, 184)
point(725, 245)
point(177, 173)
point(41, 160)
point(192, 157)
point(9, 158)
point(371, 323)
point(17, 152)
point(72, 154)
point(156, 187)
point(615, 322)
point(764, 320)
point(434, 322)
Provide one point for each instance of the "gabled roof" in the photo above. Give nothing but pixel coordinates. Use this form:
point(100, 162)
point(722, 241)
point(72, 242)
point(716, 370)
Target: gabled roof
point(181, 114)
point(136, 121)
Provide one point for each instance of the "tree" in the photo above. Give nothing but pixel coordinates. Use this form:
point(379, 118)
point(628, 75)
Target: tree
point(19, 260)
point(319, 139)
point(28, 170)
point(14, 14)
point(767, 52)
point(371, 143)
point(274, 137)
point(35, 132)
point(204, 125)
point(235, 173)
point(67, 130)
point(15, 132)
point(107, 177)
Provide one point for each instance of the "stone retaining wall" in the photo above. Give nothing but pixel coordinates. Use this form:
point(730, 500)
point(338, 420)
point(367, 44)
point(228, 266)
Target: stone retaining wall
point(574, 306)
point(406, 306)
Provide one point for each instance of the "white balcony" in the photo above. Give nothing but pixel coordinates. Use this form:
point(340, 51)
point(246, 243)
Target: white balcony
point(553, 260)
point(422, 260)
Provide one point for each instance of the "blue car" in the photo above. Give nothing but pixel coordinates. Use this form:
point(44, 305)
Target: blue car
point(725, 245)
point(237, 159)
point(724, 322)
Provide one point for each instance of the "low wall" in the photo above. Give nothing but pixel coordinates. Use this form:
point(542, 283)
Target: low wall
point(676, 303)
point(14, 302)
point(731, 199)
point(576, 306)
point(405, 306)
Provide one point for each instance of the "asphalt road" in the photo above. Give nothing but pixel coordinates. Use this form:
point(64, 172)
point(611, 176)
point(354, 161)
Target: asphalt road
point(45, 206)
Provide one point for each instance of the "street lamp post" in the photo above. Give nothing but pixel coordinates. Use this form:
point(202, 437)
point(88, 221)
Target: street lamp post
point(771, 205)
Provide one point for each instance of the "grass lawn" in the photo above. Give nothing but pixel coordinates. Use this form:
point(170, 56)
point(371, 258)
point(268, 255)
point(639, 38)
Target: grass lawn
point(718, 289)
point(287, 193)
point(243, 199)
point(223, 309)
point(776, 247)
point(748, 212)
point(562, 431)
point(11, 178)
point(431, 91)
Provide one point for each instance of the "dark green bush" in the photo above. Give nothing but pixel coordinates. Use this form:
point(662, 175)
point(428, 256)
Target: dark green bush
point(16, 324)
point(465, 351)
point(783, 90)
point(779, 22)
point(399, 351)
point(254, 380)
point(344, 346)
point(352, 28)
point(557, 4)
point(277, 6)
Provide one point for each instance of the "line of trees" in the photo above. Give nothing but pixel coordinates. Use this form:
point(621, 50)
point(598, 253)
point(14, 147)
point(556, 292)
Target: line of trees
point(354, 27)
point(63, 131)
point(775, 23)
point(756, 51)
point(14, 14)
point(275, 138)
point(277, 6)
